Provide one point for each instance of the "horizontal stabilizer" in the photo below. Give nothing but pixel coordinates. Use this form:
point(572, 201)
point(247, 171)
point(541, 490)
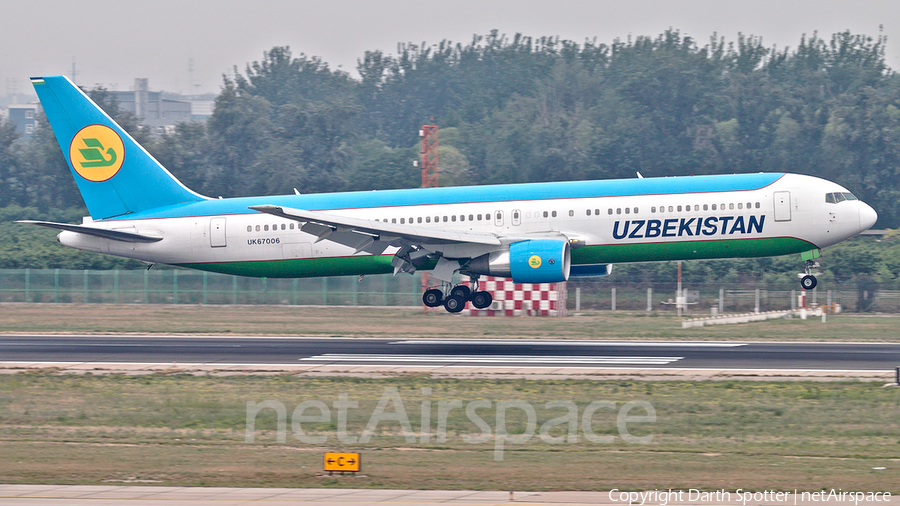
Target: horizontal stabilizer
point(115, 235)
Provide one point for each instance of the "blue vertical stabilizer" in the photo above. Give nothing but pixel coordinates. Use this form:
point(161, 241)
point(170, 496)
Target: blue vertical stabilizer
point(115, 174)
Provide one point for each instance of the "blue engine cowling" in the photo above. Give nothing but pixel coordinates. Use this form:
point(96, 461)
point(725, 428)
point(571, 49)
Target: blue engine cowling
point(539, 261)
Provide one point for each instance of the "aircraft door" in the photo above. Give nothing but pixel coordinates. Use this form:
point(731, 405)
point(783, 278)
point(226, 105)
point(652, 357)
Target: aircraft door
point(782, 206)
point(217, 232)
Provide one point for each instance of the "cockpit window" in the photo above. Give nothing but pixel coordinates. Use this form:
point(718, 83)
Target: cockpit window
point(834, 198)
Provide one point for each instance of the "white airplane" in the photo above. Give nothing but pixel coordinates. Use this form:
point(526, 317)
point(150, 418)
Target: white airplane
point(533, 233)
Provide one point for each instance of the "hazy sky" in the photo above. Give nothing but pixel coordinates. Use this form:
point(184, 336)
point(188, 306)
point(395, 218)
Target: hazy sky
point(114, 41)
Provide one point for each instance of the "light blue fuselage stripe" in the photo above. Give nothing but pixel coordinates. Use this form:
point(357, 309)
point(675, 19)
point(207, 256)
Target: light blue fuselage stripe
point(470, 194)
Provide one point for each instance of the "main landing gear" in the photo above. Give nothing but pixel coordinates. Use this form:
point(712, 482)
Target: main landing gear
point(454, 299)
point(808, 281)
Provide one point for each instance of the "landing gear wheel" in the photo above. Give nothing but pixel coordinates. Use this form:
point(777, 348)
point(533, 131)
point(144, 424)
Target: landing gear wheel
point(432, 297)
point(482, 299)
point(808, 282)
point(463, 291)
point(454, 304)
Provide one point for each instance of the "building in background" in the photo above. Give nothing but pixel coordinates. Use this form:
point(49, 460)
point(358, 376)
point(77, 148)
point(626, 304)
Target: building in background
point(24, 116)
point(154, 109)
point(157, 110)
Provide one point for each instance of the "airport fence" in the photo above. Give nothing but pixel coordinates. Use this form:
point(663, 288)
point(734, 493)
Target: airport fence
point(178, 286)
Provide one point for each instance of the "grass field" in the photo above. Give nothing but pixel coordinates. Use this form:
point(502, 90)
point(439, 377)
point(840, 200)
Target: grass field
point(412, 322)
point(187, 430)
point(178, 429)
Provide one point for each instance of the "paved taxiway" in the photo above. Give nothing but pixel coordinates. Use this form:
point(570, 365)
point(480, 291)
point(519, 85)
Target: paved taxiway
point(58, 495)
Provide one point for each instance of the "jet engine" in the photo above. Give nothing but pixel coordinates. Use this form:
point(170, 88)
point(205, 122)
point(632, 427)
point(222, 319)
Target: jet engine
point(532, 261)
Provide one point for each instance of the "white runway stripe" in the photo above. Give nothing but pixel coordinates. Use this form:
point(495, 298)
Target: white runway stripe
point(545, 342)
point(511, 360)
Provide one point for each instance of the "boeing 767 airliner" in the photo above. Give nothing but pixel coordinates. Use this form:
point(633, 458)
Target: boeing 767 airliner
point(533, 233)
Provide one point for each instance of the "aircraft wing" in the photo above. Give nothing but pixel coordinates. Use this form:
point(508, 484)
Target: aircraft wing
point(374, 236)
point(115, 235)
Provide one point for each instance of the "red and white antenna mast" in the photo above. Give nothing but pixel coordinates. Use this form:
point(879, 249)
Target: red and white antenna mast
point(429, 135)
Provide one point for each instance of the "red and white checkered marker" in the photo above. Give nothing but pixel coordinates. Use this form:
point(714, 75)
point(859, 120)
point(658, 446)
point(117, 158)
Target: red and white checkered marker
point(521, 299)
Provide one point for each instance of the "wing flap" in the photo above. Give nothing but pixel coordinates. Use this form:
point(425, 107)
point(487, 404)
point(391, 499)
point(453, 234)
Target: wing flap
point(115, 235)
point(327, 226)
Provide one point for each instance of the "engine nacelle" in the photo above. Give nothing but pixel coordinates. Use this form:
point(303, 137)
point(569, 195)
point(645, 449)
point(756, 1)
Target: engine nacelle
point(533, 261)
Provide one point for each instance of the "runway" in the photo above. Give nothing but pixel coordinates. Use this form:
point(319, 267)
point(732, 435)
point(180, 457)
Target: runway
point(307, 351)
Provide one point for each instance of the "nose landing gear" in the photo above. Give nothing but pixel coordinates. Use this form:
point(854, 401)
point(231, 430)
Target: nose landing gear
point(808, 281)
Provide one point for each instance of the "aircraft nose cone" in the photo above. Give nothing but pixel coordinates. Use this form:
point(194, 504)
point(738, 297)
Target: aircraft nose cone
point(867, 216)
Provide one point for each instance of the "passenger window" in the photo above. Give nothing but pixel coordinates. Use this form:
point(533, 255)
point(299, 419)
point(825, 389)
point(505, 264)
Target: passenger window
point(257, 228)
point(653, 209)
point(635, 210)
point(419, 219)
point(671, 209)
point(706, 207)
point(588, 212)
point(393, 220)
point(428, 219)
point(713, 207)
point(740, 206)
point(266, 228)
point(731, 206)
point(445, 219)
point(283, 226)
point(546, 214)
point(291, 226)
point(553, 214)
point(571, 212)
point(696, 207)
point(471, 217)
point(679, 209)
point(453, 218)
point(610, 210)
point(627, 210)
point(757, 205)
point(597, 212)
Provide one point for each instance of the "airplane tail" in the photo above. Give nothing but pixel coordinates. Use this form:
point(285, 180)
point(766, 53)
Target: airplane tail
point(115, 174)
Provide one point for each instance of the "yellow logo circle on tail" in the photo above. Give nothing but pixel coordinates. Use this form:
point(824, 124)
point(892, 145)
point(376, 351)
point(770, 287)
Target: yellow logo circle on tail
point(97, 153)
point(534, 261)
